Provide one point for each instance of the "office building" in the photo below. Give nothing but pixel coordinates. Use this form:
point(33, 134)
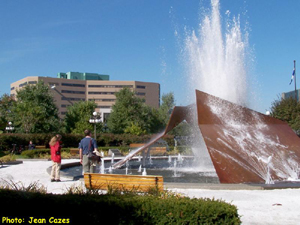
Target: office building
point(291, 94)
point(72, 87)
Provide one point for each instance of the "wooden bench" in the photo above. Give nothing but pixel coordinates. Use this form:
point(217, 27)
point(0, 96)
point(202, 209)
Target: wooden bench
point(74, 151)
point(153, 150)
point(136, 145)
point(158, 150)
point(40, 147)
point(123, 182)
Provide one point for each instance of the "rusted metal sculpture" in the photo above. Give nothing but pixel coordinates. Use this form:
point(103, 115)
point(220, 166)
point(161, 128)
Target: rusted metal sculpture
point(245, 146)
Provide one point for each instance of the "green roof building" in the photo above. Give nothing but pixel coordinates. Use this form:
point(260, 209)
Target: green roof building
point(82, 76)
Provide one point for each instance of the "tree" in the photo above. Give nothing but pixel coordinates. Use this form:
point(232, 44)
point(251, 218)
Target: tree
point(287, 110)
point(77, 117)
point(168, 103)
point(6, 104)
point(35, 110)
point(130, 114)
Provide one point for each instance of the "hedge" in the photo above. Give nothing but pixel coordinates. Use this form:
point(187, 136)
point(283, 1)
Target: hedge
point(72, 140)
point(116, 209)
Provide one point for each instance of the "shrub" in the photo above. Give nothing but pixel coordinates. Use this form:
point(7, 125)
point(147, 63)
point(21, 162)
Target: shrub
point(119, 209)
point(72, 140)
point(8, 158)
point(41, 153)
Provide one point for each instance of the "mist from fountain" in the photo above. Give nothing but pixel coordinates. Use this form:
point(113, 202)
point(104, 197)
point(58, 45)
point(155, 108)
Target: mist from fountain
point(216, 59)
point(216, 64)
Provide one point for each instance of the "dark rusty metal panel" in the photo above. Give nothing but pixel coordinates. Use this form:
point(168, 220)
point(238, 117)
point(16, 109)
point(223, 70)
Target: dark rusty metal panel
point(240, 141)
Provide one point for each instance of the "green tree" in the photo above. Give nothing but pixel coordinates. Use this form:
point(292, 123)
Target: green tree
point(35, 110)
point(287, 110)
point(77, 117)
point(6, 105)
point(130, 114)
point(134, 129)
point(168, 103)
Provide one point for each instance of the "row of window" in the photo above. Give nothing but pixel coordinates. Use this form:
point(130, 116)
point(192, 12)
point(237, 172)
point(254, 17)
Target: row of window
point(103, 86)
point(111, 93)
point(100, 93)
point(72, 85)
point(83, 85)
point(115, 86)
point(64, 106)
point(72, 99)
point(25, 83)
point(102, 100)
point(73, 92)
point(109, 86)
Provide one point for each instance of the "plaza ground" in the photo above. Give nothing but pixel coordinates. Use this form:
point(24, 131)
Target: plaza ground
point(278, 206)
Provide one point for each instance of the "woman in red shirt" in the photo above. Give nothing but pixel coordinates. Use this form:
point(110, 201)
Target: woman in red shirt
point(55, 146)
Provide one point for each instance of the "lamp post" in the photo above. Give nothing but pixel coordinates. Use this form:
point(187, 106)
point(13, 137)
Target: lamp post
point(96, 118)
point(9, 127)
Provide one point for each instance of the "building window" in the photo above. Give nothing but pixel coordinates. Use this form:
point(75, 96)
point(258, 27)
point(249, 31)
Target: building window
point(64, 106)
point(140, 94)
point(100, 93)
point(72, 99)
point(13, 88)
point(23, 84)
point(73, 85)
point(102, 100)
point(141, 87)
point(73, 92)
point(109, 86)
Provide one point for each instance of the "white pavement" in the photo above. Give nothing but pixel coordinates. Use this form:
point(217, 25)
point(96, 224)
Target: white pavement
point(36, 171)
point(255, 206)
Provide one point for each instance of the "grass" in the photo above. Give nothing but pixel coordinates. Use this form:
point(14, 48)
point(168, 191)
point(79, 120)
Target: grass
point(19, 186)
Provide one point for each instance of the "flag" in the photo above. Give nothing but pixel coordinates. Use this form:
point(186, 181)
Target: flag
point(293, 76)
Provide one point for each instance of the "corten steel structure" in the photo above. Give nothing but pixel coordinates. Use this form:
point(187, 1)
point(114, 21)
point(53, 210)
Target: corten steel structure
point(245, 146)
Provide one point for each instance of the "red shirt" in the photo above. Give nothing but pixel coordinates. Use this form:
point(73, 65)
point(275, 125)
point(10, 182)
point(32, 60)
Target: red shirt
point(54, 149)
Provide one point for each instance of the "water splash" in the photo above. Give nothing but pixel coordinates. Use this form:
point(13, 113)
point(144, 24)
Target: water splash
point(216, 59)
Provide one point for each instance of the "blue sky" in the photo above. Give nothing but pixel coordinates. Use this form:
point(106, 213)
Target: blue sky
point(135, 40)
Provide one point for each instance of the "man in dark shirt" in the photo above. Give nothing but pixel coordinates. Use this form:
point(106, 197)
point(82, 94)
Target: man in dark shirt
point(31, 146)
point(87, 145)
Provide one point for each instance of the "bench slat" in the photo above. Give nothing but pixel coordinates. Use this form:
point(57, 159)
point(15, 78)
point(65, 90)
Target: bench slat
point(123, 182)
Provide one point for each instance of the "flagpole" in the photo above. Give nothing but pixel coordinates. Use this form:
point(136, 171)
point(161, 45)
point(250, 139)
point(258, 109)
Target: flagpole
point(296, 96)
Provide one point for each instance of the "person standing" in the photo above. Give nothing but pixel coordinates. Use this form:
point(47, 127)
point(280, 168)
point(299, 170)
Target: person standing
point(87, 145)
point(55, 146)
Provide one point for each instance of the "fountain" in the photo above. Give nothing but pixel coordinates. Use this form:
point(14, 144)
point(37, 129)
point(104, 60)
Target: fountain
point(239, 141)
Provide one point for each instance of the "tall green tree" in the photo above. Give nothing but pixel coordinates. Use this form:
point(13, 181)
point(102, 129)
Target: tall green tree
point(131, 115)
point(77, 117)
point(35, 110)
point(6, 105)
point(287, 110)
point(166, 107)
